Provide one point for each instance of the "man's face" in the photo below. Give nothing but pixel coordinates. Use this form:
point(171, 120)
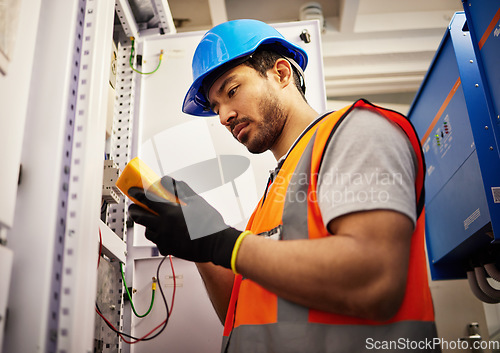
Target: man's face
point(248, 106)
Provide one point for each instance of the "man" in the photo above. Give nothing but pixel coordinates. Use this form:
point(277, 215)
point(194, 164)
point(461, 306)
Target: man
point(347, 272)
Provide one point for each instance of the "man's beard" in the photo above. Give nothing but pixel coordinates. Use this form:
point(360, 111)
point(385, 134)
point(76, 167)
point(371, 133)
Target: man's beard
point(269, 129)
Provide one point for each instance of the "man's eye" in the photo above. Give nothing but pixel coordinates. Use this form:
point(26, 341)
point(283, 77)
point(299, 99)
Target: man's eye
point(231, 92)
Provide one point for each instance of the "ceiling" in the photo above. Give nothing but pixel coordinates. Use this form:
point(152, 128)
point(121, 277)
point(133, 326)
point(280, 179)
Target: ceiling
point(377, 49)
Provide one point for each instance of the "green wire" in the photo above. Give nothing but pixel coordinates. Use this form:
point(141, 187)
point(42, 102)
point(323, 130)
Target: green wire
point(132, 65)
point(130, 297)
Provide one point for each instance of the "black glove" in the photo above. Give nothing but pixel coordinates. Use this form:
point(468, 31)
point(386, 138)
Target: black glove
point(194, 231)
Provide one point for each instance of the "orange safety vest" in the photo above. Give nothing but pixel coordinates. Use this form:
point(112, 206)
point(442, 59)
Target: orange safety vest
point(259, 321)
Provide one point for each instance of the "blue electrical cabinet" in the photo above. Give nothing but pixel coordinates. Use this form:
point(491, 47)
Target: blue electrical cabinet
point(455, 117)
point(483, 18)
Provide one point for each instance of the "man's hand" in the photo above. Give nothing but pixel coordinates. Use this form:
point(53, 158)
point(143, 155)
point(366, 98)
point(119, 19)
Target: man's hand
point(194, 231)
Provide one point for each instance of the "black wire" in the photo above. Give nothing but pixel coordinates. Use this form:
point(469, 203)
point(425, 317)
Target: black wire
point(232, 326)
point(164, 301)
point(166, 306)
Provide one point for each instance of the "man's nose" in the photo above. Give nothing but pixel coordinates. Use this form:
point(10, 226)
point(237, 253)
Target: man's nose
point(226, 115)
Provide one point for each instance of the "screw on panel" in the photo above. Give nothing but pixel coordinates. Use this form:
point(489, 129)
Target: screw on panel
point(305, 36)
point(491, 148)
point(486, 127)
point(53, 335)
point(477, 85)
point(471, 61)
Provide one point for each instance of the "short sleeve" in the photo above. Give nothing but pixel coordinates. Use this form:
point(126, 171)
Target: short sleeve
point(369, 164)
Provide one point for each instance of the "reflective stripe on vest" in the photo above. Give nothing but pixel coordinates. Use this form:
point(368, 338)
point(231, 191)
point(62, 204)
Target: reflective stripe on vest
point(259, 321)
point(295, 337)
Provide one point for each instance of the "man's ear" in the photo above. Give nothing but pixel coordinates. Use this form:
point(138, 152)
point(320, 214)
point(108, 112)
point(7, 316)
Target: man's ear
point(284, 72)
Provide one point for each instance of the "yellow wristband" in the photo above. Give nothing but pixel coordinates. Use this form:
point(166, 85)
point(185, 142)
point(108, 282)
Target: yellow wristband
point(236, 249)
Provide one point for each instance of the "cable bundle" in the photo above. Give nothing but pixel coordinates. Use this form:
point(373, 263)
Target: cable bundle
point(163, 324)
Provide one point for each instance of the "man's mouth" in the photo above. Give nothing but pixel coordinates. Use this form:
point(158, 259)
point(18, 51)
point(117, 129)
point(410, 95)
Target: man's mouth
point(238, 130)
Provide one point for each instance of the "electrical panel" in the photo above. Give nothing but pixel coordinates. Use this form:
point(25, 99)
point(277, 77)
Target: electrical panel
point(483, 19)
point(455, 117)
point(110, 304)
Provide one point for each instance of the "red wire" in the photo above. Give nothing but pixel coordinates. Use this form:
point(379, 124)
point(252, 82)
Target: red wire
point(169, 311)
point(173, 293)
point(153, 330)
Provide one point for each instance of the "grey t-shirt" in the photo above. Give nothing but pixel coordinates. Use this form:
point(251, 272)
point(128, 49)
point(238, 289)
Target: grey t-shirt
point(369, 164)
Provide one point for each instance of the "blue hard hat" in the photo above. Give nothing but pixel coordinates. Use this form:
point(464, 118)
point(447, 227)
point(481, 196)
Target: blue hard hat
point(226, 46)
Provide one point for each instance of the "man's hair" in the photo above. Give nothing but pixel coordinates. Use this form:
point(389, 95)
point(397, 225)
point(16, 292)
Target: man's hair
point(263, 60)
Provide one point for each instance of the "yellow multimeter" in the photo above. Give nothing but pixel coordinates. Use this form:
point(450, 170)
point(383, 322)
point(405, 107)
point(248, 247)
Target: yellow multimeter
point(138, 174)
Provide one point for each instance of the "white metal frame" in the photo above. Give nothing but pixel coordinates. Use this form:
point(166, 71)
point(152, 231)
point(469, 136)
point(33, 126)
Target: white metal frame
point(130, 27)
point(165, 16)
point(112, 245)
point(78, 285)
point(123, 121)
point(55, 232)
point(126, 18)
point(121, 151)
